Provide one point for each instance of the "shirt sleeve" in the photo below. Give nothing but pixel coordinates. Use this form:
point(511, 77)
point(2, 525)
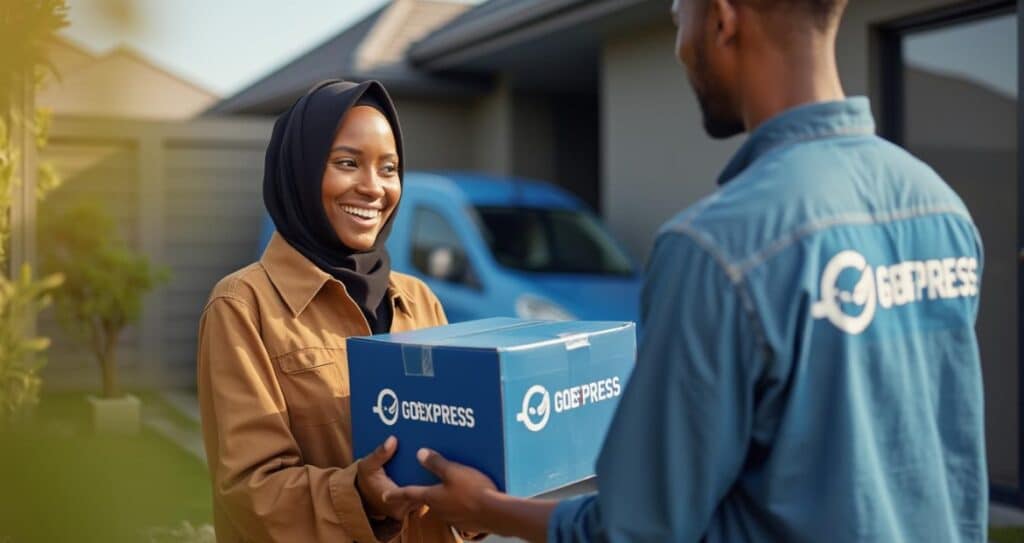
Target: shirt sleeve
point(259, 477)
point(682, 428)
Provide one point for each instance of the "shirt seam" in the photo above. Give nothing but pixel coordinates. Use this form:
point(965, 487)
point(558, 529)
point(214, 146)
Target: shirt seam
point(747, 264)
point(744, 266)
point(738, 282)
point(231, 297)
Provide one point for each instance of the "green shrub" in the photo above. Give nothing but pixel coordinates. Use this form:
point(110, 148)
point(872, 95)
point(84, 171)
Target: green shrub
point(105, 282)
point(21, 353)
point(26, 29)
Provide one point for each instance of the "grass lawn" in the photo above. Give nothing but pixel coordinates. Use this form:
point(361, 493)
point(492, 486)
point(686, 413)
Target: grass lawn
point(1007, 534)
point(59, 482)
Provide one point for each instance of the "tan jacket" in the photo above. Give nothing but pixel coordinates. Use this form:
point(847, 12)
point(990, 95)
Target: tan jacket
point(274, 397)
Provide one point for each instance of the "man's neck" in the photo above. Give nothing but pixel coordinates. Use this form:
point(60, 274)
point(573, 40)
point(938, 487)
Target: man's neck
point(780, 80)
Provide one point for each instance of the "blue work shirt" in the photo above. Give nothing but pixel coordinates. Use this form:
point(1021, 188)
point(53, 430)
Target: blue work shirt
point(809, 369)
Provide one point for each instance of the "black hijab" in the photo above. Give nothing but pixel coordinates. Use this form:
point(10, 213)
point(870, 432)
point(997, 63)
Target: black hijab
point(292, 187)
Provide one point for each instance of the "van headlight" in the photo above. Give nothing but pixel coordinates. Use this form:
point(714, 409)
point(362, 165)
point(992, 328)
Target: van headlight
point(536, 308)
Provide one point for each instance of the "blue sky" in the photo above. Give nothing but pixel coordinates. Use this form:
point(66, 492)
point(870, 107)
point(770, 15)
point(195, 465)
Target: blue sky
point(221, 45)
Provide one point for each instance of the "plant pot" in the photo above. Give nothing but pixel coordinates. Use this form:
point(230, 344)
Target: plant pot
point(116, 415)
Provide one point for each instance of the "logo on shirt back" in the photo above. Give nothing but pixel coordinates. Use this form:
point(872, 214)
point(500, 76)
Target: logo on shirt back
point(852, 291)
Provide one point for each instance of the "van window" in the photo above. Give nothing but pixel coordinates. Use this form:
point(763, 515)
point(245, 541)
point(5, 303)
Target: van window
point(437, 251)
point(551, 241)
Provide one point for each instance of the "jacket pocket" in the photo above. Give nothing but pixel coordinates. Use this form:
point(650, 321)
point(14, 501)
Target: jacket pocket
point(315, 384)
point(308, 359)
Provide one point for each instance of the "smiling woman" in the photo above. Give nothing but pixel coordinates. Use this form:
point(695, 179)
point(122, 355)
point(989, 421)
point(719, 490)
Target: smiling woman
point(359, 200)
point(272, 364)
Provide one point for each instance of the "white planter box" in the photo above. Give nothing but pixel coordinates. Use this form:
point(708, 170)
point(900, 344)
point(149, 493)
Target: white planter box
point(116, 415)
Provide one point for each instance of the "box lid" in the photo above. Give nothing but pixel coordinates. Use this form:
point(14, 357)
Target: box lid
point(500, 334)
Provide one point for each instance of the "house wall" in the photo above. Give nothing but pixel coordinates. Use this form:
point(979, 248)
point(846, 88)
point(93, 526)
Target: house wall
point(186, 194)
point(438, 134)
point(656, 158)
point(492, 132)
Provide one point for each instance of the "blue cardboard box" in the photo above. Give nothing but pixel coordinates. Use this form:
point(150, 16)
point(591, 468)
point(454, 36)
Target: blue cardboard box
point(526, 402)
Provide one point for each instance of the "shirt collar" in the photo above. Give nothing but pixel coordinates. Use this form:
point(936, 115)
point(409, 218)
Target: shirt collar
point(851, 116)
point(298, 280)
point(401, 297)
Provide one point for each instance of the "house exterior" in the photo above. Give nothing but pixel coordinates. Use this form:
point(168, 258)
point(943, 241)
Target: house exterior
point(184, 191)
point(119, 83)
point(588, 94)
point(434, 110)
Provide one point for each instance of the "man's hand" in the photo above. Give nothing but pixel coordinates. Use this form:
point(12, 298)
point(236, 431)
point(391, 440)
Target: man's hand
point(373, 483)
point(458, 500)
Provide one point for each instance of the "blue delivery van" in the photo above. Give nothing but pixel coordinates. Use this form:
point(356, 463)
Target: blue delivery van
point(493, 246)
point(490, 246)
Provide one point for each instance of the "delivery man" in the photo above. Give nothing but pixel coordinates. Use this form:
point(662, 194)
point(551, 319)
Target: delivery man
point(809, 369)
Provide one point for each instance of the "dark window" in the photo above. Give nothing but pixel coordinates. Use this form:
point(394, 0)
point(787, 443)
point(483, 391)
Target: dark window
point(552, 241)
point(437, 250)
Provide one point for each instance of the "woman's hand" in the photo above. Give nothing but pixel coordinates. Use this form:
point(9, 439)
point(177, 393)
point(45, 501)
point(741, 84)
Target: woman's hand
point(373, 483)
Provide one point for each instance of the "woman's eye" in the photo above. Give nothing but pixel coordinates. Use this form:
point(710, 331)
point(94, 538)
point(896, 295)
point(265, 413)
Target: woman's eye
point(390, 169)
point(345, 163)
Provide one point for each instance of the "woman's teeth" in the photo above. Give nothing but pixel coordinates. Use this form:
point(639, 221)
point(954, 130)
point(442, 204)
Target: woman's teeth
point(361, 212)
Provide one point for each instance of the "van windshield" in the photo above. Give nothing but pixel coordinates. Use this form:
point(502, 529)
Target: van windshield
point(551, 241)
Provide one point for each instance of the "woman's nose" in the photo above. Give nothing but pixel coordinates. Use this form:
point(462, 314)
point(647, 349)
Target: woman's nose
point(371, 185)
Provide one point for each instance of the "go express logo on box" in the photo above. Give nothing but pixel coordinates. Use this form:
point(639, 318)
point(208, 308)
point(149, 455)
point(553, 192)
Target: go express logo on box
point(390, 409)
point(536, 408)
point(534, 414)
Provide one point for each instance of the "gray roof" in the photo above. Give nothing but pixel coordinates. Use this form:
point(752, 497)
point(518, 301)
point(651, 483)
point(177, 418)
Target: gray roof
point(475, 24)
point(458, 60)
point(503, 24)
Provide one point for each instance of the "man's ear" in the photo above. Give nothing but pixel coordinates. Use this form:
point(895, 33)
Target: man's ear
point(725, 20)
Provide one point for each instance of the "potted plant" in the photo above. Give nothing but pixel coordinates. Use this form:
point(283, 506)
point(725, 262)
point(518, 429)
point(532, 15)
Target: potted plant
point(104, 286)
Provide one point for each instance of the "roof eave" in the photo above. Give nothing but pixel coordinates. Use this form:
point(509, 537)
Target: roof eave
point(500, 30)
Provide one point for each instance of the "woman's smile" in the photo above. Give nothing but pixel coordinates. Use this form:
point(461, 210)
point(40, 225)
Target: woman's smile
point(367, 213)
point(360, 216)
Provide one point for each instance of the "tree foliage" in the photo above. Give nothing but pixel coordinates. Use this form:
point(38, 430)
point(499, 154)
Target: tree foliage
point(105, 282)
point(21, 353)
point(26, 29)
